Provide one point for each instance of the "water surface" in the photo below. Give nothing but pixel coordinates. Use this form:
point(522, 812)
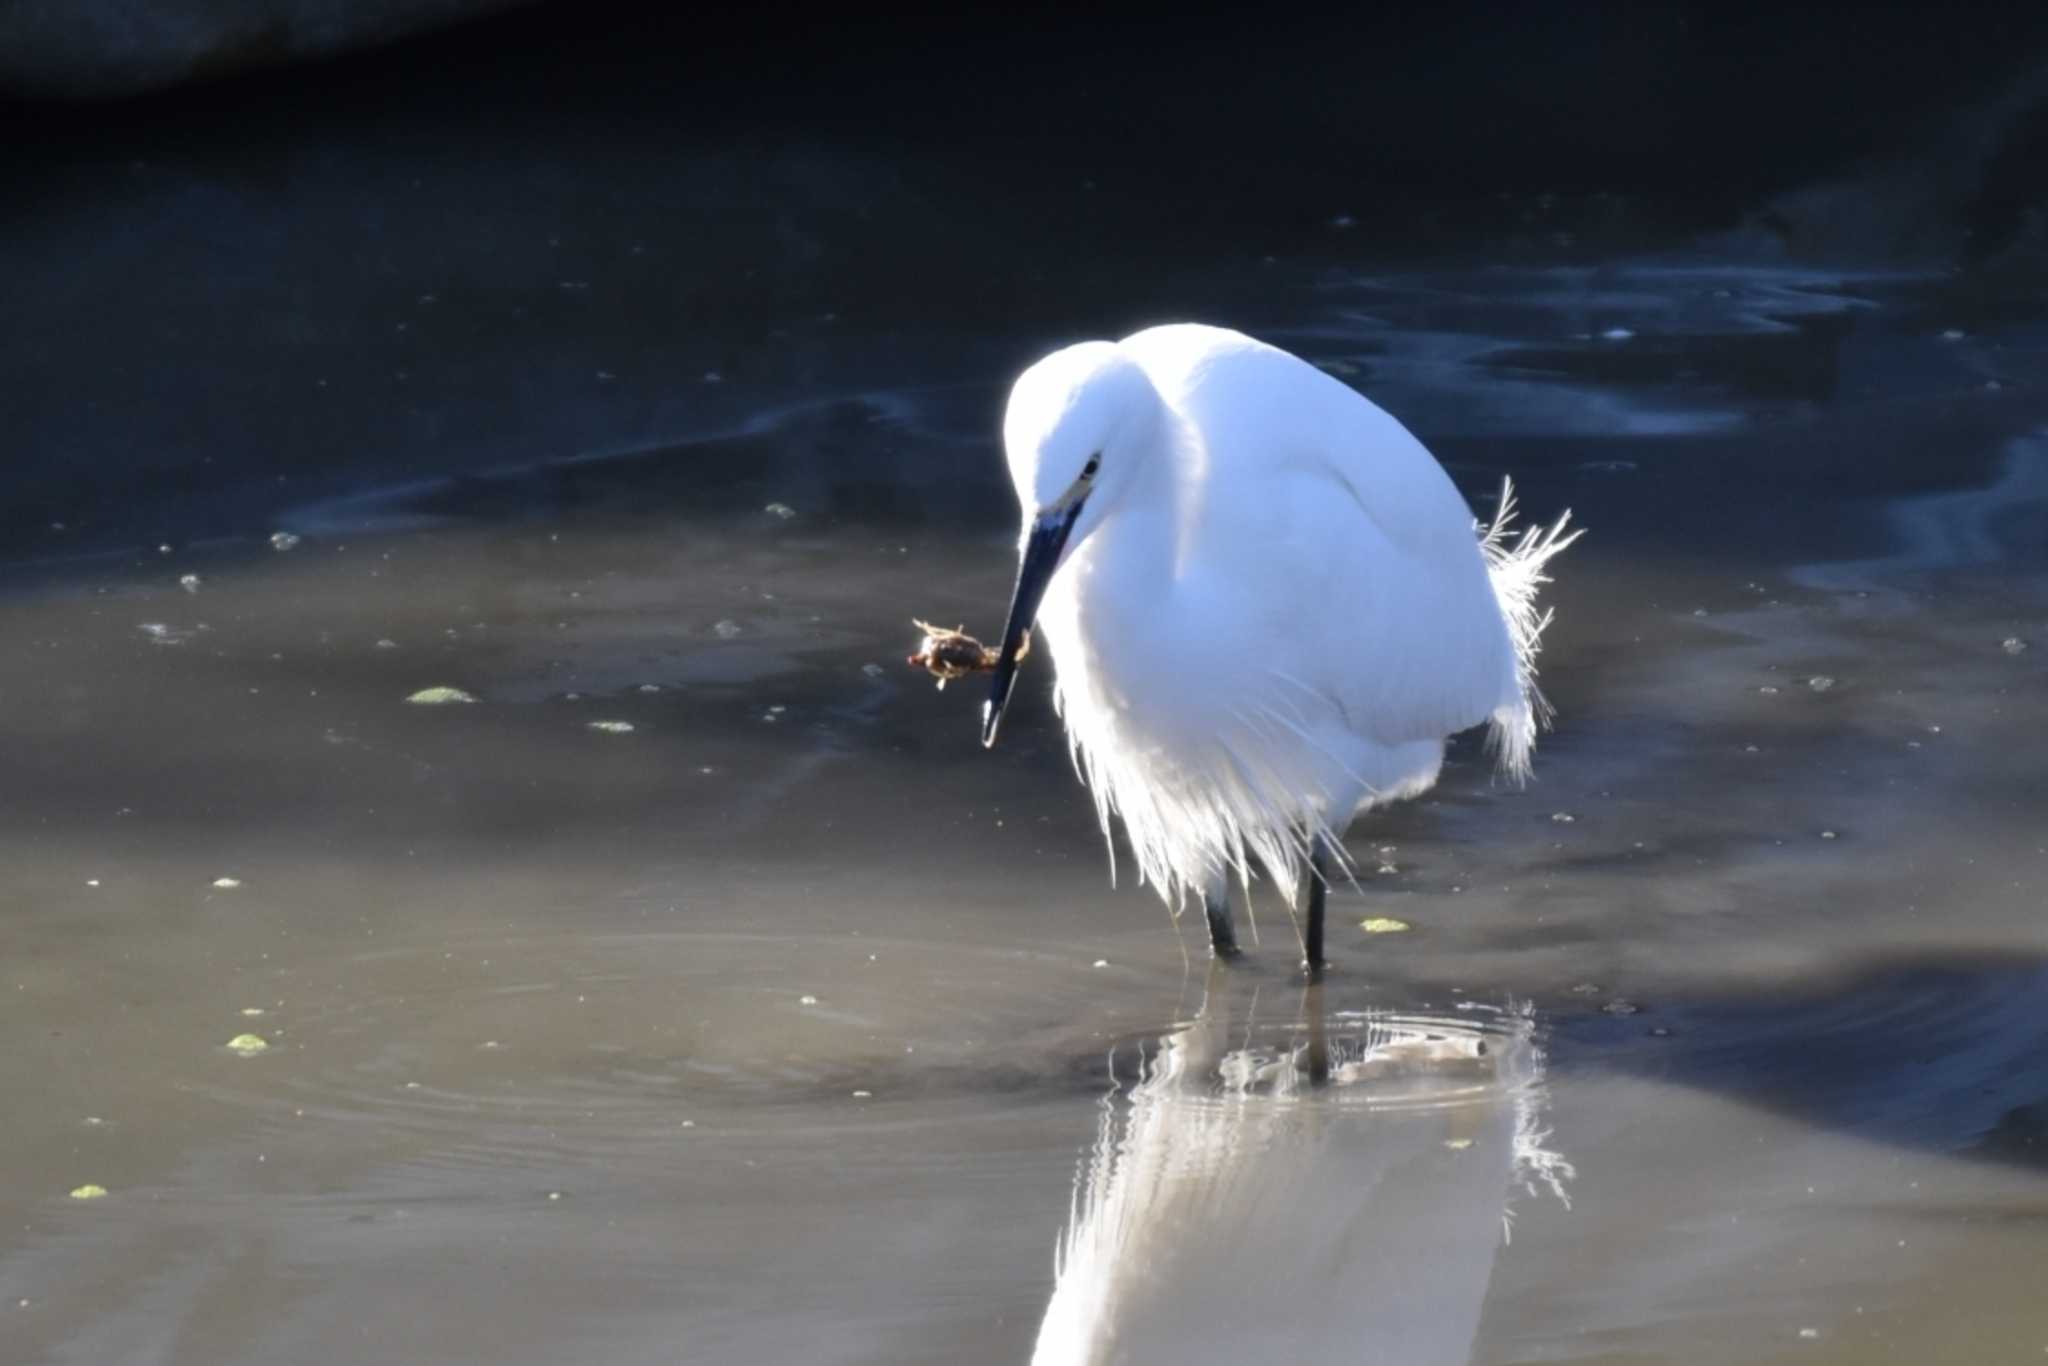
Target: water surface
point(702, 992)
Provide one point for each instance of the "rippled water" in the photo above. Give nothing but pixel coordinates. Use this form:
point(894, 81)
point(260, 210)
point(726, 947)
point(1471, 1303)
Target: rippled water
point(786, 1024)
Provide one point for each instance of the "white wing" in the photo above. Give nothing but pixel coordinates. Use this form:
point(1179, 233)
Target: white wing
point(1318, 510)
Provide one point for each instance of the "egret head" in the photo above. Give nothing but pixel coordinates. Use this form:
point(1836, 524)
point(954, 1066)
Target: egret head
point(1078, 424)
point(1068, 415)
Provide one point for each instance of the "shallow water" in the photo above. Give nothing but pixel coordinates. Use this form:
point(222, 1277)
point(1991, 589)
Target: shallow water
point(702, 992)
point(789, 1025)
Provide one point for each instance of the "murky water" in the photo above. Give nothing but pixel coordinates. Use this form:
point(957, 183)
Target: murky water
point(787, 1024)
point(700, 991)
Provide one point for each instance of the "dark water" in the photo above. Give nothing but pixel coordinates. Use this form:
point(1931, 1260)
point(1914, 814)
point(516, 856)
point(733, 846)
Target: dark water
point(789, 1025)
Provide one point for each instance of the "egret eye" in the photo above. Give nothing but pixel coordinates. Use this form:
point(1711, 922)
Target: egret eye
point(1094, 464)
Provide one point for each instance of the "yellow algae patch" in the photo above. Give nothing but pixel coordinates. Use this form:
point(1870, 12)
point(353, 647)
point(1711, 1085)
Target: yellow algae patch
point(89, 1192)
point(248, 1045)
point(1383, 924)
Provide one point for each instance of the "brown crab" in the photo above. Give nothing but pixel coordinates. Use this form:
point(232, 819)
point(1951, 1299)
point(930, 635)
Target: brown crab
point(947, 655)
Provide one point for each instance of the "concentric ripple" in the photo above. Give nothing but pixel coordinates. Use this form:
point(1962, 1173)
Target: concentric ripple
point(543, 1045)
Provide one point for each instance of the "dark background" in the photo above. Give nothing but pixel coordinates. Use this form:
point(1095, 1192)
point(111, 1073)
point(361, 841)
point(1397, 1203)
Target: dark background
point(532, 235)
point(1255, 115)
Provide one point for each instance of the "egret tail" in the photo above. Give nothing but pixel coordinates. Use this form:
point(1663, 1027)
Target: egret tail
point(1517, 571)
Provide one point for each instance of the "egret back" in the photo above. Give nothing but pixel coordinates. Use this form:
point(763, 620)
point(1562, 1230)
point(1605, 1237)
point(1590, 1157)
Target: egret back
point(1325, 535)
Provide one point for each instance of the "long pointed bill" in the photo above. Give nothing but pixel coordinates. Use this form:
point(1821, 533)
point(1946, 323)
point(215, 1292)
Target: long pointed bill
point(1034, 571)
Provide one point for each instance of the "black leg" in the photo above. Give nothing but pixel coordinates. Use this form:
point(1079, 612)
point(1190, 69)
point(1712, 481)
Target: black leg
point(1318, 886)
point(1222, 934)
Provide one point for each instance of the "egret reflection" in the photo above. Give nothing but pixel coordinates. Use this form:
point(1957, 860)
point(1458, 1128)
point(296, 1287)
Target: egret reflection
point(1334, 1186)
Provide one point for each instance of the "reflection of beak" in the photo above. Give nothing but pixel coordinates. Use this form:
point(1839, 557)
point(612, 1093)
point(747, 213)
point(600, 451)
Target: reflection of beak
point(1034, 571)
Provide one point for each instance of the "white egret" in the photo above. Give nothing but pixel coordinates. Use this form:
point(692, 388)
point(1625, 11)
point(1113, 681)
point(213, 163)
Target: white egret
point(1267, 606)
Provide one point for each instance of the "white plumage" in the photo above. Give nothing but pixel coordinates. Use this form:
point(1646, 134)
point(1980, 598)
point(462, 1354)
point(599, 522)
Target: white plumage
point(1267, 603)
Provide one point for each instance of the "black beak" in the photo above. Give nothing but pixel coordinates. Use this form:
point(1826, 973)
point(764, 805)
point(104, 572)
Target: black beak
point(1041, 557)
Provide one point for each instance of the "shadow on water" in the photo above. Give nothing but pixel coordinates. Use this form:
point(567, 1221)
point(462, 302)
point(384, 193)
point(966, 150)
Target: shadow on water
point(1941, 1052)
point(1276, 1177)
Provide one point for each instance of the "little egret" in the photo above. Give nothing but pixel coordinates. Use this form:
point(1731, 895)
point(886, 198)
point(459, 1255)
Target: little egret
point(1267, 606)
